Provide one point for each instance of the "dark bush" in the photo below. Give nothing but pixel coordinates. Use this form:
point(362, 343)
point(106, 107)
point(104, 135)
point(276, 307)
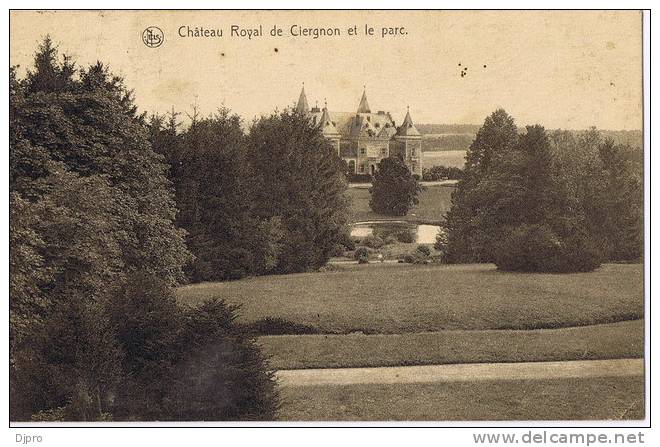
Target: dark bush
point(221, 374)
point(415, 258)
point(437, 173)
point(337, 251)
point(278, 326)
point(347, 241)
point(424, 250)
point(372, 241)
point(361, 255)
point(359, 178)
point(405, 237)
point(536, 248)
point(390, 239)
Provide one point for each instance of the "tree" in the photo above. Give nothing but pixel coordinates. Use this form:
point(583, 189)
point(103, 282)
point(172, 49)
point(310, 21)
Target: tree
point(298, 182)
point(466, 242)
point(90, 205)
point(623, 226)
point(527, 205)
point(394, 190)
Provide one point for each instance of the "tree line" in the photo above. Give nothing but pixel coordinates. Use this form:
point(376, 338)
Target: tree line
point(268, 201)
point(110, 210)
point(557, 202)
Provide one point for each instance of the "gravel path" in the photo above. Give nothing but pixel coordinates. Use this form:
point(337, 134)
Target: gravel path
point(462, 372)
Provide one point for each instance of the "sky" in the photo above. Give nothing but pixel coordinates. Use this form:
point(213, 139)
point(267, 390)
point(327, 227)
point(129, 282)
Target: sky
point(561, 69)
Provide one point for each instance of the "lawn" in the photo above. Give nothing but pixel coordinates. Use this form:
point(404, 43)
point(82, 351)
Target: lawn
point(551, 399)
point(608, 341)
point(434, 202)
point(395, 299)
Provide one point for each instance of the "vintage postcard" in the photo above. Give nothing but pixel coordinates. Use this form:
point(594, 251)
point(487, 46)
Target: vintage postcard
point(327, 216)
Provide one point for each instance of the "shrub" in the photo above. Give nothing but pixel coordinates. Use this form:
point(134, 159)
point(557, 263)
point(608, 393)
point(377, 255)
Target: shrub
point(405, 237)
point(424, 250)
point(372, 241)
point(436, 173)
point(337, 250)
point(415, 258)
point(347, 241)
point(221, 374)
point(278, 326)
point(359, 178)
point(361, 255)
point(441, 241)
point(536, 248)
point(390, 239)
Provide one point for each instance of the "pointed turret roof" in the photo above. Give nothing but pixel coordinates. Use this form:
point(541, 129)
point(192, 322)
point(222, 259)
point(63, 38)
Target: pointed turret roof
point(328, 128)
point(303, 106)
point(408, 129)
point(364, 105)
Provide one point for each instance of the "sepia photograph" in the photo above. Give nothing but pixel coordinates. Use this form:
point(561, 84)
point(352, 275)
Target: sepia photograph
point(327, 216)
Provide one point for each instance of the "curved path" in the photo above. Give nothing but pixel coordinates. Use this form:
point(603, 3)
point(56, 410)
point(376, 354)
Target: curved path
point(462, 372)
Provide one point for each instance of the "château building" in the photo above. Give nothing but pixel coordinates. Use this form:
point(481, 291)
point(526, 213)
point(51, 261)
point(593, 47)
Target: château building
point(363, 138)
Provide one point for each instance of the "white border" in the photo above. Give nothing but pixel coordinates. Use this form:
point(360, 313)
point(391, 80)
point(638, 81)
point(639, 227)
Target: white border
point(449, 435)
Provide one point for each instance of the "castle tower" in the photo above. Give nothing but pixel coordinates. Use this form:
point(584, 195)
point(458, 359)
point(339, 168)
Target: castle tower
point(364, 105)
point(303, 106)
point(329, 129)
point(409, 144)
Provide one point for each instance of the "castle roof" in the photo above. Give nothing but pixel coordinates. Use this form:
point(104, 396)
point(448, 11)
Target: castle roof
point(303, 106)
point(364, 105)
point(327, 126)
point(351, 125)
point(408, 129)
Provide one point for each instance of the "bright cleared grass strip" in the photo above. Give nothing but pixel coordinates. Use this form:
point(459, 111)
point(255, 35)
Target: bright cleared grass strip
point(462, 372)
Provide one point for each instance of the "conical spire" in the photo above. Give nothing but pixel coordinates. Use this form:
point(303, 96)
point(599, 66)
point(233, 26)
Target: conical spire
point(303, 106)
point(327, 126)
point(408, 129)
point(364, 105)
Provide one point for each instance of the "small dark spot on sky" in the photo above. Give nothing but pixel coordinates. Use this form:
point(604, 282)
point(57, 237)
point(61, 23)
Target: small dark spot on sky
point(484, 65)
point(459, 64)
point(222, 54)
point(276, 50)
point(612, 83)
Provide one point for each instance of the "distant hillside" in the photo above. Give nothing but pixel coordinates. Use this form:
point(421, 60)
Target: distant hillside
point(458, 137)
point(448, 128)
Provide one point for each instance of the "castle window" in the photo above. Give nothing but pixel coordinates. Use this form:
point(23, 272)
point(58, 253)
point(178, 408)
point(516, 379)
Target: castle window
point(377, 125)
point(361, 168)
point(412, 152)
point(383, 151)
point(363, 151)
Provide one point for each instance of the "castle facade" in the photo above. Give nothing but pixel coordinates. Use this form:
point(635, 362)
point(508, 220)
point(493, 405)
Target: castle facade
point(363, 138)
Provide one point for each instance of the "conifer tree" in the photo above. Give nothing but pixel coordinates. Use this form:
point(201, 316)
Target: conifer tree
point(298, 182)
point(465, 240)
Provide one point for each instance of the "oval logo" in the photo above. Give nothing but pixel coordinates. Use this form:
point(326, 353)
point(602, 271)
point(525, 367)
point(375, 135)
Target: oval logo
point(153, 37)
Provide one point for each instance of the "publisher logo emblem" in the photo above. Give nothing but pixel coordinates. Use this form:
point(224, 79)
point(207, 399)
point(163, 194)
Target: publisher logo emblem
point(153, 37)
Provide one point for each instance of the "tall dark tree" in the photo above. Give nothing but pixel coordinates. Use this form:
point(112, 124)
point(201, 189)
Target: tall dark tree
point(210, 171)
point(623, 196)
point(465, 239)
point(394, 189)
point(91, 204)
point(513, 208)
point(298, 181)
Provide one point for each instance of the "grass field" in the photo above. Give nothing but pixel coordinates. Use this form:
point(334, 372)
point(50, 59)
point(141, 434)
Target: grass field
point(609, 341)
point(395, 299)
point(434, 202)
point(555, 399)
